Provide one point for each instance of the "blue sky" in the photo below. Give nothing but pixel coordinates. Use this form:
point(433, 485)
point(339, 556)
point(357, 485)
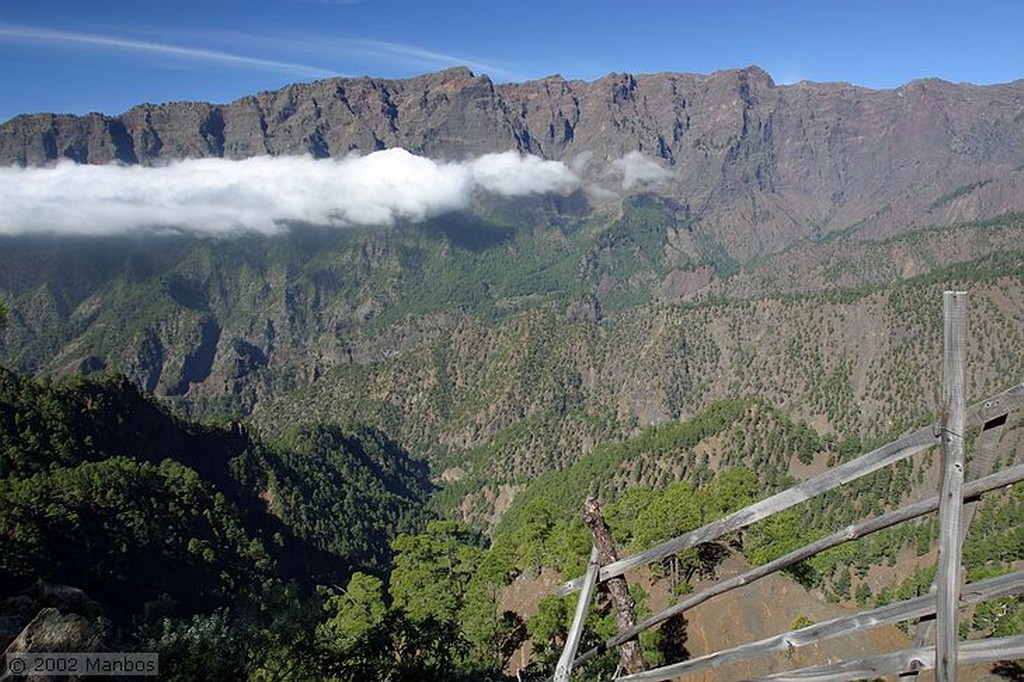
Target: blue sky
point(107, 55)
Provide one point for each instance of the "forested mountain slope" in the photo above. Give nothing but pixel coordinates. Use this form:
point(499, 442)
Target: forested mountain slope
point(502, 360)
point(92, 474)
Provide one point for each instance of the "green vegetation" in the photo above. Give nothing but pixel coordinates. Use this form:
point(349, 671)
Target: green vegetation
point(321, 481)
point(199, 541)
point(594, 473)
point(313, 556)
point(204, 527)
point(508, 343)
point(526, 355)
point(144, 530)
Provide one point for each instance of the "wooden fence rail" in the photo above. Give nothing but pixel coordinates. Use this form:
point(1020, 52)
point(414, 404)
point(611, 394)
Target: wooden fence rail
point(971, 490)
point(918, 607)
point(978, 651)
point(955, 503)
point(918, 441)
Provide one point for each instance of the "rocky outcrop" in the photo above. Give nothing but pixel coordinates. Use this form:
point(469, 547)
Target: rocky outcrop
point(52, 630)
point(50, 617)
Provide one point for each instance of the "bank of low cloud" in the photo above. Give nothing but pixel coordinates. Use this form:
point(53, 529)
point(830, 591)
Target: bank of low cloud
point(262, 194)
point(639, 172)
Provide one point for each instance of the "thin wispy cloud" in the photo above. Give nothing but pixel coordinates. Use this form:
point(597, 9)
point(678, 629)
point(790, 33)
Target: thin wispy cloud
point(71, 38)
point(356, 53)
point(418, 56)
point(261, 194)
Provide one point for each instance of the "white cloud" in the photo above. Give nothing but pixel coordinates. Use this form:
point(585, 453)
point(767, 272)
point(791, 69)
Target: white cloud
point(43, 35)
point(511, 174)
point(640, 172)
point(261, 194)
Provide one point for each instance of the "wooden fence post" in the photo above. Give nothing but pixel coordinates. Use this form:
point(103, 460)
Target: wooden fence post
point(951, 493)
point(572, 640)
point(625, 616)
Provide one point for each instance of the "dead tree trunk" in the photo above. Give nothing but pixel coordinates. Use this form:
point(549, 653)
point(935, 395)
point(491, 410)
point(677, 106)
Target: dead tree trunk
point(625, 616)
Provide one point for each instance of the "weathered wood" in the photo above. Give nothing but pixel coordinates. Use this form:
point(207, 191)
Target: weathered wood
point(572, 640)
point(985, 448)
point(870, 462)
point(979, 466)
point(971, 490)
point(983, 590)
point(977, 651)
point(622, 602)
point(954, 306)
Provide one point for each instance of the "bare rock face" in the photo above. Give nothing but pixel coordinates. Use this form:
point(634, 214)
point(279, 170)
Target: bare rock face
point(51, 630)
point(761, 165)
point(772, 137)
point(449, 114)
point(44, 138)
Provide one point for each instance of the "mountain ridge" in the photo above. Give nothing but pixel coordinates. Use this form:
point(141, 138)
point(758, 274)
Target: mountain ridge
point(757, 166)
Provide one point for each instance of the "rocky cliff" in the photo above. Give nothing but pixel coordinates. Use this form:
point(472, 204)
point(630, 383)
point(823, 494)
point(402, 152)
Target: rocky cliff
point(758, 164)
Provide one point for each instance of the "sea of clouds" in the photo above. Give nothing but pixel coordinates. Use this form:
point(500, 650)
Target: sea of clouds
point(266, 194)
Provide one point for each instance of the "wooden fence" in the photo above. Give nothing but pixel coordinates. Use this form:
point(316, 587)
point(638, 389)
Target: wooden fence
point(957, 499)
